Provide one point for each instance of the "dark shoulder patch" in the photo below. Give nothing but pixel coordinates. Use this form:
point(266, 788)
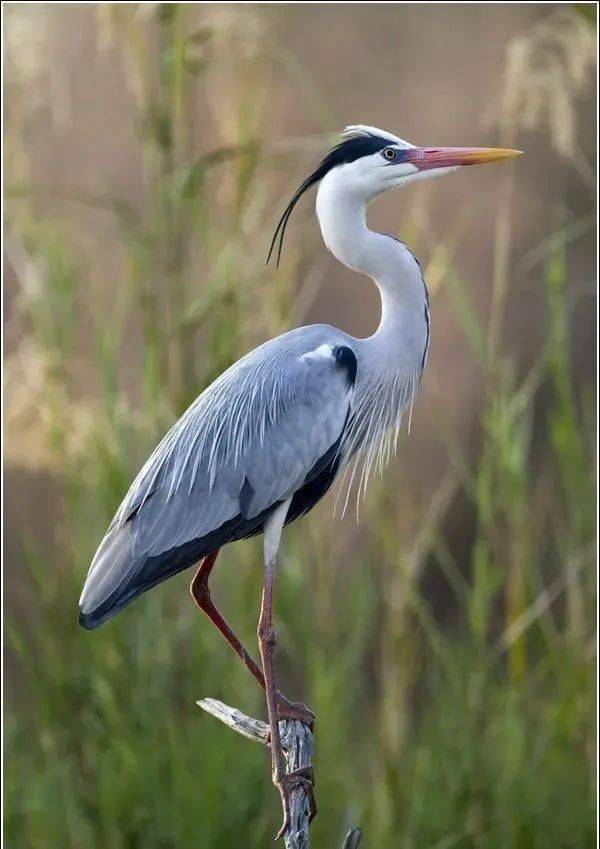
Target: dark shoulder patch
point(346, 359)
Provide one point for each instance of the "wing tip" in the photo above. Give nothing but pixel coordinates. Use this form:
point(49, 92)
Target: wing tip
point(89, 621)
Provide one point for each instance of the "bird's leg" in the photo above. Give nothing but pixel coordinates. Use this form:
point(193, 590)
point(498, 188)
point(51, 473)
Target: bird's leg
point(200, 592)
point(267, 641)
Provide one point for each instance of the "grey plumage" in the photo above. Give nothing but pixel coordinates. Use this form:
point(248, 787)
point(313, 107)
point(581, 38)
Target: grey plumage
point(246, 444)
point(279, 424)
point(265, 441)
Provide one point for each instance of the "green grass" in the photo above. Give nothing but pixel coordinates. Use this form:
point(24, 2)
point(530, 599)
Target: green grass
point(474, 728)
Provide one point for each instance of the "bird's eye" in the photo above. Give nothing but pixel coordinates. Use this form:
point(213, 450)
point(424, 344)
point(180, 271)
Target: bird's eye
point(389, 153)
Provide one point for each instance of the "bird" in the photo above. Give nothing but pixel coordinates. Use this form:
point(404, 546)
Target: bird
point(264, 442)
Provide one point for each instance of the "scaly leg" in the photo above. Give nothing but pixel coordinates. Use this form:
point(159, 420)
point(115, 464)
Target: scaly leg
point(200, 592)
point(267, 641)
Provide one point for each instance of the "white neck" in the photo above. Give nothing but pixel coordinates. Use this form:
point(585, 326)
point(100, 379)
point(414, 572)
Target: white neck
point(341, 210)
point(390, 362)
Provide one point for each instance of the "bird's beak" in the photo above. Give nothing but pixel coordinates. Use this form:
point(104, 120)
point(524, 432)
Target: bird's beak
point(426, 158)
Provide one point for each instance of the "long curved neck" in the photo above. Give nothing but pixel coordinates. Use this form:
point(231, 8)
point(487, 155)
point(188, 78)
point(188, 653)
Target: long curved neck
point(341, 210)
point(391, 361)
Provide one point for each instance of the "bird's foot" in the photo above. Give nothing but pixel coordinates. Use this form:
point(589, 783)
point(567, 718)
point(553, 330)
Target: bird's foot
point(287, 709)
point(303, 777)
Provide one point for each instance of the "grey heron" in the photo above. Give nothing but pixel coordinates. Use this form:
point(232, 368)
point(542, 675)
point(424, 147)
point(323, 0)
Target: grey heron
point(264, 442)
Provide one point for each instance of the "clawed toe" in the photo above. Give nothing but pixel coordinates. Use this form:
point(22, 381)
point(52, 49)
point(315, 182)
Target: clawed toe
point(287, 709)
point(305, 778)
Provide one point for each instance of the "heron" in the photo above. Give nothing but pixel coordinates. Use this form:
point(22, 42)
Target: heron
point(266, 440)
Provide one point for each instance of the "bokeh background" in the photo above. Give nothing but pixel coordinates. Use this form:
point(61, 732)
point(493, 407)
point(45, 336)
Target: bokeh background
point(445, 639)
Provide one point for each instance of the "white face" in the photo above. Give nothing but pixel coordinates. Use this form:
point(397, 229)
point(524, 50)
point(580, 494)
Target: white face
point(351, 173)
point(389, 168)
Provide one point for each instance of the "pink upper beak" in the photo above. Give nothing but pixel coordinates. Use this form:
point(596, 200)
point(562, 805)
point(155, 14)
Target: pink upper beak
point(425, 158)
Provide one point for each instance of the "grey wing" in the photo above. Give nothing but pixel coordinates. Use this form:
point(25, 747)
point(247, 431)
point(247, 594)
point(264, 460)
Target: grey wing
point(253, 439)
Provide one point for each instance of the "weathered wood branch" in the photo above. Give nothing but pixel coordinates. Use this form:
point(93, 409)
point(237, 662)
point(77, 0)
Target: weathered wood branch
point(298, 745)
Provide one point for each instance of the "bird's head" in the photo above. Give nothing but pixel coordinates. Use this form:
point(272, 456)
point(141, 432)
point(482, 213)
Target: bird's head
point(369, 161)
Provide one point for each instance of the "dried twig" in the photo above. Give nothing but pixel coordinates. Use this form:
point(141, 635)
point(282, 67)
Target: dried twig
point(298, 744)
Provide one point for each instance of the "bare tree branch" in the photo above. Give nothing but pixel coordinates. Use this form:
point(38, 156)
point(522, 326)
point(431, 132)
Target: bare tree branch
point(253, 729)
point(298, 745)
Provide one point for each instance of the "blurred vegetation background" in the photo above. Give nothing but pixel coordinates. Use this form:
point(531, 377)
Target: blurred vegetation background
point(445, 640)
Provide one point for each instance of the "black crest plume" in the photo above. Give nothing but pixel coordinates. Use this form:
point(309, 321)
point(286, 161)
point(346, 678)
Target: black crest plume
point(348, 150)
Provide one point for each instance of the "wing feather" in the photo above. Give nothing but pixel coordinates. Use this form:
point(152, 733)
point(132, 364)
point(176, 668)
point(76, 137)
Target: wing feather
point(259, 429)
